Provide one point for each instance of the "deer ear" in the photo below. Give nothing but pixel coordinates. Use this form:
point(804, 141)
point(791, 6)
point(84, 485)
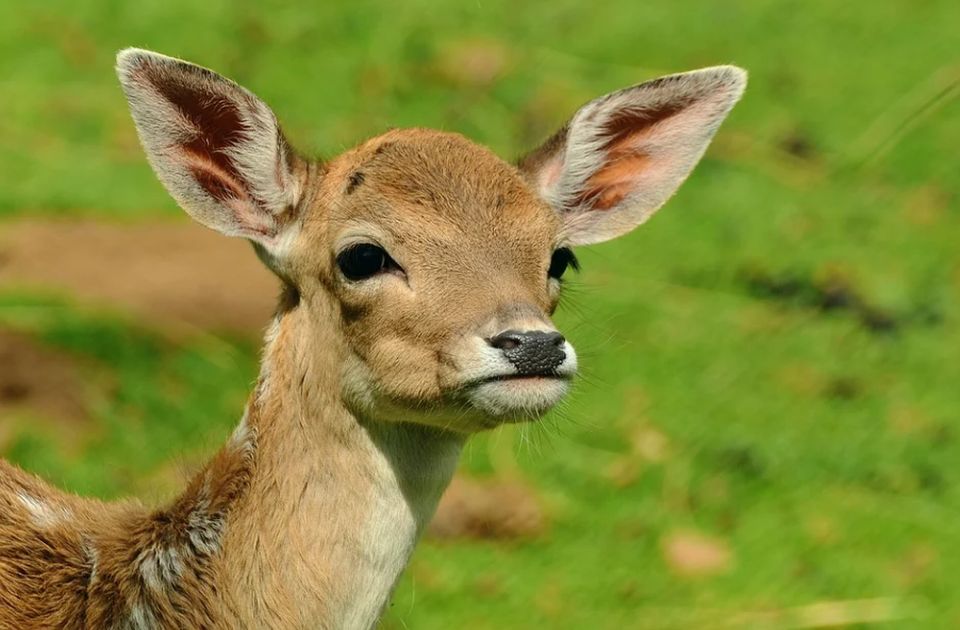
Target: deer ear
point(215, 146)
point(623, 155)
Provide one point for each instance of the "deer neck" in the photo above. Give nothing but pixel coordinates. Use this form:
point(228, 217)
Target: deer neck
point(335, 502)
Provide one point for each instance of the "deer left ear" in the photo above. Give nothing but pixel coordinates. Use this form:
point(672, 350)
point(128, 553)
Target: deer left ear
point(215, 146)
point(623, 155)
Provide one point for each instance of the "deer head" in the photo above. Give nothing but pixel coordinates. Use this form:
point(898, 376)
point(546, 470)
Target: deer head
point(426, 267)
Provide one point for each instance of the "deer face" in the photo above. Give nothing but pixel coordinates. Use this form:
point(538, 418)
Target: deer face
point(439, 256)
point(435, 264)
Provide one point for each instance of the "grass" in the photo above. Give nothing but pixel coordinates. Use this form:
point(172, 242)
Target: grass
point(785, 331)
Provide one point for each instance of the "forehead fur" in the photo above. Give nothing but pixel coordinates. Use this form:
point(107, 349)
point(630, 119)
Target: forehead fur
point(441, 178)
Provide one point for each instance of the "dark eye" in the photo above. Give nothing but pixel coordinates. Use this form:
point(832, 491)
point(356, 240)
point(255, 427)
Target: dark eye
point(561, 259)
point(363, 260)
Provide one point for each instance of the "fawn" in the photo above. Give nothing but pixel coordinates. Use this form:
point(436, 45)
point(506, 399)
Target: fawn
point(419, 273)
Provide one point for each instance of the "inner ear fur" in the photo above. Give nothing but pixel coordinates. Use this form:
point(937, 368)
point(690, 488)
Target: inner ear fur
point(215, 146)
point(623, 155)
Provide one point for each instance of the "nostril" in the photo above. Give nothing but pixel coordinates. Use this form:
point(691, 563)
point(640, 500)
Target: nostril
point(507, 340)
point(555, 339)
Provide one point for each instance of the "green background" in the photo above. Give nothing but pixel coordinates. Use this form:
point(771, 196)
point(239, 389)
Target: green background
point(772, 362)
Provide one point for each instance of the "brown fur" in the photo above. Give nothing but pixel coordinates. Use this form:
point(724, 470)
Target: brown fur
point(88, 568)
point(368, 389)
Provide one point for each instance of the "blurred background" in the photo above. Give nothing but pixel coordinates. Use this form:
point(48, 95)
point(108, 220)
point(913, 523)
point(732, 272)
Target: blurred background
point(768, 431)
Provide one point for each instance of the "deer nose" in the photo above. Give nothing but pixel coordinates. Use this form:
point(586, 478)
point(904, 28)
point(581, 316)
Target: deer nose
point(532, 352)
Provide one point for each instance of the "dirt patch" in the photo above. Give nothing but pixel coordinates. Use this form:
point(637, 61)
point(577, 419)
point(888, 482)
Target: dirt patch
point(39, 379)
point(168, 272)
point(488, 509)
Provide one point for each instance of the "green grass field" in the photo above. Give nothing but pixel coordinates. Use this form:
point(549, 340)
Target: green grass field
point(772, 363)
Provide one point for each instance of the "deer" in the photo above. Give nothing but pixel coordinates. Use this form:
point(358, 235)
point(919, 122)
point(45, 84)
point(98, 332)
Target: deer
point(418, 274)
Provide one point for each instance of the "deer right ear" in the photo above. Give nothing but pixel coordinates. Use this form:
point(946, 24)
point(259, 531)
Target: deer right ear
point(215, 146)
point(622, 155)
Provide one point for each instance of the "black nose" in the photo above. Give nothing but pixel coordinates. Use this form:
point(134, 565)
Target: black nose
point(532, 352)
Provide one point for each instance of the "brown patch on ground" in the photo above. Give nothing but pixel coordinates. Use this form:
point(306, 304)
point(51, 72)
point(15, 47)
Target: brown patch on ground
point(168, 272)
point(488, 509)
point(39, 379)
point(693, 554)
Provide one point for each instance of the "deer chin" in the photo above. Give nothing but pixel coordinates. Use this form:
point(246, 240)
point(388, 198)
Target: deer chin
point(516, 398)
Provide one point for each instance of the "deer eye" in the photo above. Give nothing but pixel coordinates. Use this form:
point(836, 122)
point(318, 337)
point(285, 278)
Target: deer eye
point(364, 260)
point(560, 261)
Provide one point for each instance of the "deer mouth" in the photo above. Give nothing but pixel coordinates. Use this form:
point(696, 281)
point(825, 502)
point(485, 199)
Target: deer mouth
point(534, 377)
point(517, 397)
